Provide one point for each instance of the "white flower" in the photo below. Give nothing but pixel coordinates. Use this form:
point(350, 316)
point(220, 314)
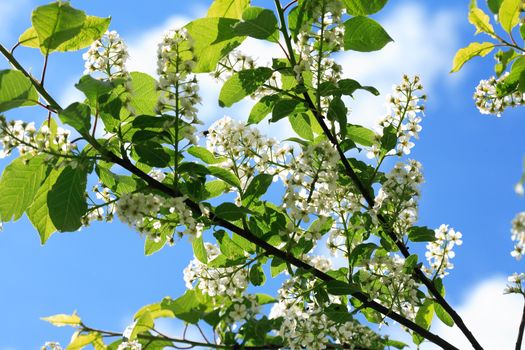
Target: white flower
point(132, 345)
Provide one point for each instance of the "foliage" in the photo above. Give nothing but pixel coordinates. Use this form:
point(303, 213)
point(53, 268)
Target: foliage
point(334, 186)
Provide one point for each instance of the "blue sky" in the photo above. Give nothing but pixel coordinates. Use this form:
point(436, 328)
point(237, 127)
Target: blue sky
point(471, 163)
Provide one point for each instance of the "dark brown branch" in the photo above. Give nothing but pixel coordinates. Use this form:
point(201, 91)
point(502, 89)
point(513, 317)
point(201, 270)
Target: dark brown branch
point(520, 332)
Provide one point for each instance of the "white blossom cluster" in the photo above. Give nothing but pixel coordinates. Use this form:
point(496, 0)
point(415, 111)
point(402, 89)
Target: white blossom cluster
point(316, 41)
point(96, 213)
point(242, 308)
point(246, 150)
point(131, 345)
point(215, 281)
point(28, 140)
point(306, 326)
point(175, 62)
point(405, 110)
point(487, 99)
point(151, 214)
point(397, 198)
point(440, 251)
point(51, 345)
point(387, 272)
point(515, 285)
point(518, 235)
point(107, 56)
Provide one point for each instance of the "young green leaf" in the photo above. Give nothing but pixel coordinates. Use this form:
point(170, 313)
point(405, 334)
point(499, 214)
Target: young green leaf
point(225, 175)
point(198, 249)
point(421, 234)
point(78, 115)
point(257, 187)
point(364, 34)
point(213, 39)
point(62, 320)
point(424, 319)
point(19, 184)
point(301, 125)
point(205, 155)
point(336, 287)
point(287, 107)
point(228, 8)
point(360, 135)
point(363, 7)
point(144, 95)
point(242, 84)
point(443, 315)
point(66, 201)
point(259, 23)
point(55, 24)
point(262, 108)
point(481, 21)
point(231, 212)
point(467, 53)
point(257, 277)
point(509, 14)
point(16, 90)
point(494, 5)
point(80, 341)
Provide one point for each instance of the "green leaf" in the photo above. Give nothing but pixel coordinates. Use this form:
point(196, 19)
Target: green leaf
point(481, 21)
point(364, 34)
point(410, 264)
point(360, 135)
point(287, 107)
point(363, 7)
point(227, 8)
point(262, 108)
point(205, 155)
point(55, 24)
point(66, 200)
point(213, 39)
point(79, 341)
point(231, 212)
point(142, 324)
point(509, 14)
point(16, 90)
point(257, 277)
point(62, 320)
point(78, 115)
point(198, 249)
point(152, 154)
point(215, 188)
point(19, 184)
point(443, 315)
point(144, 95)
point(421, 234)
point(227, 246)
point(242, 84)
point(259, 23)
point(389, 139)
point(349, 86)
point(301, 125)
point(277, 266)
point(494, 5)
point(92, 29)
point(225, 175)
point(94, 88)
point(257, 187)
point(467, 53)
point(396, 344)
point(424, 319)
point(38, 212)
point(186, 307)
point(336, 287)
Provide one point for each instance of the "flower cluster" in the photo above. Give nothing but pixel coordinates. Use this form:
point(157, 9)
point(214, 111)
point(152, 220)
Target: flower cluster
point(96, 213)
point(405, 110)
point(175, 62)
point(518, 235)
point(316, 41)
point(152, 214)
point(388, 272)
point(24, 136)
point(215, 281)
point(246, 150)
point(242, 308)
point(439, 252)
point(234, 62)
point(488, 101)
point(515, 285)
point(51, 345)
point(132, 345)
point(107, 56)
point(397, 198)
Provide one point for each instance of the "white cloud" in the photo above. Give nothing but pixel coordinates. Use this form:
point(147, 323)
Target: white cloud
point(492, 317)
point(424, 44)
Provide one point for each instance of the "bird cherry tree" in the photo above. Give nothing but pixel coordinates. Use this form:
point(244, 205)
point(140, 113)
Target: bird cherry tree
point(252, 207)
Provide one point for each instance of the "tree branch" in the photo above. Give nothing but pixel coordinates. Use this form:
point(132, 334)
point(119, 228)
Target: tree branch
point(521, 329)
